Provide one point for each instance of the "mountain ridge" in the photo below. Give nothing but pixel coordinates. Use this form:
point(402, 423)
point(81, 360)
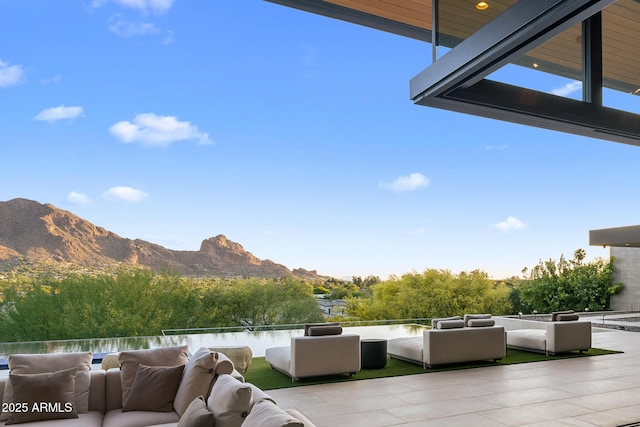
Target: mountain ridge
point(42, 232)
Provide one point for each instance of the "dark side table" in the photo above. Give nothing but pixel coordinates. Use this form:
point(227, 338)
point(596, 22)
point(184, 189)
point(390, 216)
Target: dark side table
point(373, 353)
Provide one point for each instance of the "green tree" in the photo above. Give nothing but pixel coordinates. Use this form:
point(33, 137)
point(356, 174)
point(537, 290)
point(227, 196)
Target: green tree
point(569, 285)
point(282, 301)
point(434, 293)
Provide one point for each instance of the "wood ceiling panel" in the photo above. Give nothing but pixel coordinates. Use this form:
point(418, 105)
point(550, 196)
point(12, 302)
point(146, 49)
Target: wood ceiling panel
point(410, 12)
point(460, 18)
point(621, 43)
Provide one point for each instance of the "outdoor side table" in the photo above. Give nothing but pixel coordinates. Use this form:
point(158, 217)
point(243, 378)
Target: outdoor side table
point(373, 353)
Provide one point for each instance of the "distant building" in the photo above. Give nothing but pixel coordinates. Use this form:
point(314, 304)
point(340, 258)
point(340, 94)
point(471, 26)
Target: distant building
point(335, 307)
point(624, 244)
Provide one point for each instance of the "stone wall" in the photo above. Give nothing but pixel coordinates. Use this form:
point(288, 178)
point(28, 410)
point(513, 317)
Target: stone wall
point(626, 270)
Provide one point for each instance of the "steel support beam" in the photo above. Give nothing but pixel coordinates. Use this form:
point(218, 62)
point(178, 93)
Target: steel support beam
point(457, 80)
point(592, 59)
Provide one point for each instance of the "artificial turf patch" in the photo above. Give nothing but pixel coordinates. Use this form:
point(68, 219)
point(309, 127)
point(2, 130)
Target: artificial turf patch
point(261, 374)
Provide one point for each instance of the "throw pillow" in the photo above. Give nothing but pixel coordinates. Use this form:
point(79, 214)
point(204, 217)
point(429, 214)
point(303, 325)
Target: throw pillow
point(555, 314)
point(197, 379)
point(311, 325)
point(163, 356)
point(266, 414)
point(468, 317)
point(434, 322)
point(154, 388)
point(567, 317)
point(450, 324)
point(52, 362)
point(196, 414)
point(225, 365)
point(473, 323)
point(315, 331)
point(46, 396)
point(230, 401)
point(258, 394)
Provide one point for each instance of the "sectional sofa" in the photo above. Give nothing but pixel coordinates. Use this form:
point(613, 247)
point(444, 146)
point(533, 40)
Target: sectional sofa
point(162, 387)
point(452, 340)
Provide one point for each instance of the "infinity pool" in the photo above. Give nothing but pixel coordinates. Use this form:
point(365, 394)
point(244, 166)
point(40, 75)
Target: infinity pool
point(258, 341)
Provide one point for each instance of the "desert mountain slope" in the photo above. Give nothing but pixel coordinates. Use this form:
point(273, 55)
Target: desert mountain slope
point(40, 232)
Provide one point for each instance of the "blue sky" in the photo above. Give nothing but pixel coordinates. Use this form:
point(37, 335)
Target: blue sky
point(292, 134)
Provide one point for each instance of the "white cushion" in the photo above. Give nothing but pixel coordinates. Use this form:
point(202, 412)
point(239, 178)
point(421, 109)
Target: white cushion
point(266, 414)
point(197, 379)
point(230, 401)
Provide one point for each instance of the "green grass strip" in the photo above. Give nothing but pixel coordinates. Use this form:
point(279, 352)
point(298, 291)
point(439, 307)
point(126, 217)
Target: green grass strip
point(261, 374)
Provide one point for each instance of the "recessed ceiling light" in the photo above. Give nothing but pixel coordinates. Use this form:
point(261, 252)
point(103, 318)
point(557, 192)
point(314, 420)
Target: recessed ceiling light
point(483, 5)
point(535, 65)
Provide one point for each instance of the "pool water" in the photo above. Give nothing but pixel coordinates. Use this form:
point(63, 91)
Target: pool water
point(258, 341)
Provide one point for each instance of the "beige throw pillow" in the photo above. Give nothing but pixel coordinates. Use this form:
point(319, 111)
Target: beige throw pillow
point(197, 379)
point(196, 414)
point(163, 356)
point(52, 362)
point(225, 365)
point(230, 401)
point(266, 414)
point(46, 396)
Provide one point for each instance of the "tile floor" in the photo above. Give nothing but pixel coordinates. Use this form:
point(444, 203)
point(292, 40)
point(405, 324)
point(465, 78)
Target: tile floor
point(591, 391)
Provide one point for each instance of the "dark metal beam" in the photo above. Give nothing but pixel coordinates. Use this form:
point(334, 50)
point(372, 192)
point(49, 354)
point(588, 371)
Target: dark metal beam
point(456, 81)
point(515, 104)
point(511, 34)
point(592, 59)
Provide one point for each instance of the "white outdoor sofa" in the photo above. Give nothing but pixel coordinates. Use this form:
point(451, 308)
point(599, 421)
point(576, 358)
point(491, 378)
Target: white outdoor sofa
point(564, 333)
point(324, 351)
point(452, 340)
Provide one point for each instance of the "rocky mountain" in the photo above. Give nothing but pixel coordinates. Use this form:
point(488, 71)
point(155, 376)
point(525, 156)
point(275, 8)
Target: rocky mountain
point(41, 232)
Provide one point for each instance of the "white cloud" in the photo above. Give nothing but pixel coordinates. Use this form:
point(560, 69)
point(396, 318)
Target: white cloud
point(10, 75)
point(59, 113)
point(78, 198)
point(125, 194)
point(153, 6)
point(407, 183)
point(511, 223)
point(568, 88)
point(129, 29)
point(157, 131)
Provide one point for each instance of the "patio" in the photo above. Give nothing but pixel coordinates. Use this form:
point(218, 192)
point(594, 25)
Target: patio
point(591, 391)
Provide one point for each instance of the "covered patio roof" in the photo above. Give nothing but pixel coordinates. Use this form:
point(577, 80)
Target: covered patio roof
point(593, 41)
point(627, 237)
